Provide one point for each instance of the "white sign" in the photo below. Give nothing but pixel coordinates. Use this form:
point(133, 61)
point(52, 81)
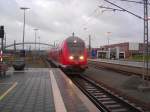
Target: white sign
point(133, 46)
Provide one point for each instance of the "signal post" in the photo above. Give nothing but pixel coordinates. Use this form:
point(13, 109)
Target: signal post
point(2, 38)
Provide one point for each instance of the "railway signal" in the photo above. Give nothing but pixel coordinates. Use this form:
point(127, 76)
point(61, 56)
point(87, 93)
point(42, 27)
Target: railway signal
point(1, 31)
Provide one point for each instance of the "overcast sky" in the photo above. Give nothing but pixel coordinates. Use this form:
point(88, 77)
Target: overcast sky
point(57, 19)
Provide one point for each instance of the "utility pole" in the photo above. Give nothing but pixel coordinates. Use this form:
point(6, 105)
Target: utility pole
point(73, 34)
point(146, 41)
point(5, 40)
point(15, 46)
point(89, 43)
point(54, 44)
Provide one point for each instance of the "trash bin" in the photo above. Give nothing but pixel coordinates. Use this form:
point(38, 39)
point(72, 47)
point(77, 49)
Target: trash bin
point(19, 64)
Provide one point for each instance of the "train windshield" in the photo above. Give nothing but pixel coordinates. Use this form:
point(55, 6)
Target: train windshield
point(76, 47)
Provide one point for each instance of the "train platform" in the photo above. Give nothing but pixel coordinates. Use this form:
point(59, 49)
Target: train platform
point(121, 62)
point(41, 90)
point(120, 65)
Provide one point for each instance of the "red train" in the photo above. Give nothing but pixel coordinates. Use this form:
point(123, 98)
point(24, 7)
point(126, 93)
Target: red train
point(70, 55)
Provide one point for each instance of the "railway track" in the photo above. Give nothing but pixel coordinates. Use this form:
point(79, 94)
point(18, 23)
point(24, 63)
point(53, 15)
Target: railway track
point(104, 99)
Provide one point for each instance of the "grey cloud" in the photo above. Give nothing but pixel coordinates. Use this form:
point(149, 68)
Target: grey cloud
point(57, 19)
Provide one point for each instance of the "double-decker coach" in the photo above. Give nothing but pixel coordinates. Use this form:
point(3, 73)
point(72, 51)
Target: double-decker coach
point(70, 55)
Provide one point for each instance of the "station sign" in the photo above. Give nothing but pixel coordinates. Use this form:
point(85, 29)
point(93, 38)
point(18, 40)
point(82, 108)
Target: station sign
point(94, 53)
point(134, 46)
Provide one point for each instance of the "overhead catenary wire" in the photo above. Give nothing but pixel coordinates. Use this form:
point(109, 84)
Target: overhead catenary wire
point(146, 36)
point(111, 9)
point(89, 18)
point(139, 2)
point(124, 9)
point(90, 15)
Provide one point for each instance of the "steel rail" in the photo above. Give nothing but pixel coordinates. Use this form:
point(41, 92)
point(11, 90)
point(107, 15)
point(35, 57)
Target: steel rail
point(104, 99)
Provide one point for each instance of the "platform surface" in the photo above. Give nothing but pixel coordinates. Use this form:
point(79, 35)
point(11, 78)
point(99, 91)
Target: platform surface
point(121, 62)
point(41, 90)
point(33, 92)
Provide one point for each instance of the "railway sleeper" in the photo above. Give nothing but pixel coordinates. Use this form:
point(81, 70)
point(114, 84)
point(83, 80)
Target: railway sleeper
point(90, 88)
point(105, 99)
point(88, 85)
point(114, 106)
point(108, 102)
point(98, 93)
point(102, 96)
point(120, 110)
point(91, 91)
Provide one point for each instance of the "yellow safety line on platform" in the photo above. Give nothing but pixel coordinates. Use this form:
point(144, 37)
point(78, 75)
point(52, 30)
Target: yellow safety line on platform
point(9, 90)
point(6, 83)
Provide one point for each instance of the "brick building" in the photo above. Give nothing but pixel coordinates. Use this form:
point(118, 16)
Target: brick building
point(120, 50)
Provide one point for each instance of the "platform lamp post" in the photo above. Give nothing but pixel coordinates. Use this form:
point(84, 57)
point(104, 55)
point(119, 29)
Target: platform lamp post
point(24, 9)
point(108, 40)
point(35, 30)
point(108, 37)
point(39, 42)
point(56, 43)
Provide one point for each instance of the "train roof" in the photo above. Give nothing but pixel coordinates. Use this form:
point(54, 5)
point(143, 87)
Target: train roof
point(67, 40)
point(72, 38)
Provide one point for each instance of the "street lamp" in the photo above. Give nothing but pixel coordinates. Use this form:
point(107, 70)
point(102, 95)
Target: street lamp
point(56, 43)
point(24, 9)
point(35, 35)
point(39, 43)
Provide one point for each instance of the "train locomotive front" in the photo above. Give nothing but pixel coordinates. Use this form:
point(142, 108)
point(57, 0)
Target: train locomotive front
point(71, 55)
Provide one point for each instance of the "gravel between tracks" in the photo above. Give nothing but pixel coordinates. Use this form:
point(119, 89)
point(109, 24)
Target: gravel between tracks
point(116, 80)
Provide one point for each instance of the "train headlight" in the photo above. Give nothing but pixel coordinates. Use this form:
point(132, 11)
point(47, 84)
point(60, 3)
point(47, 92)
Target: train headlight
point(75, 41)
point(71, 57)
point(81, 58)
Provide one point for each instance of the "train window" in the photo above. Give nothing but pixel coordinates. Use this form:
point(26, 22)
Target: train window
point(76, 47)
point(76, 44)
point(60, 51)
